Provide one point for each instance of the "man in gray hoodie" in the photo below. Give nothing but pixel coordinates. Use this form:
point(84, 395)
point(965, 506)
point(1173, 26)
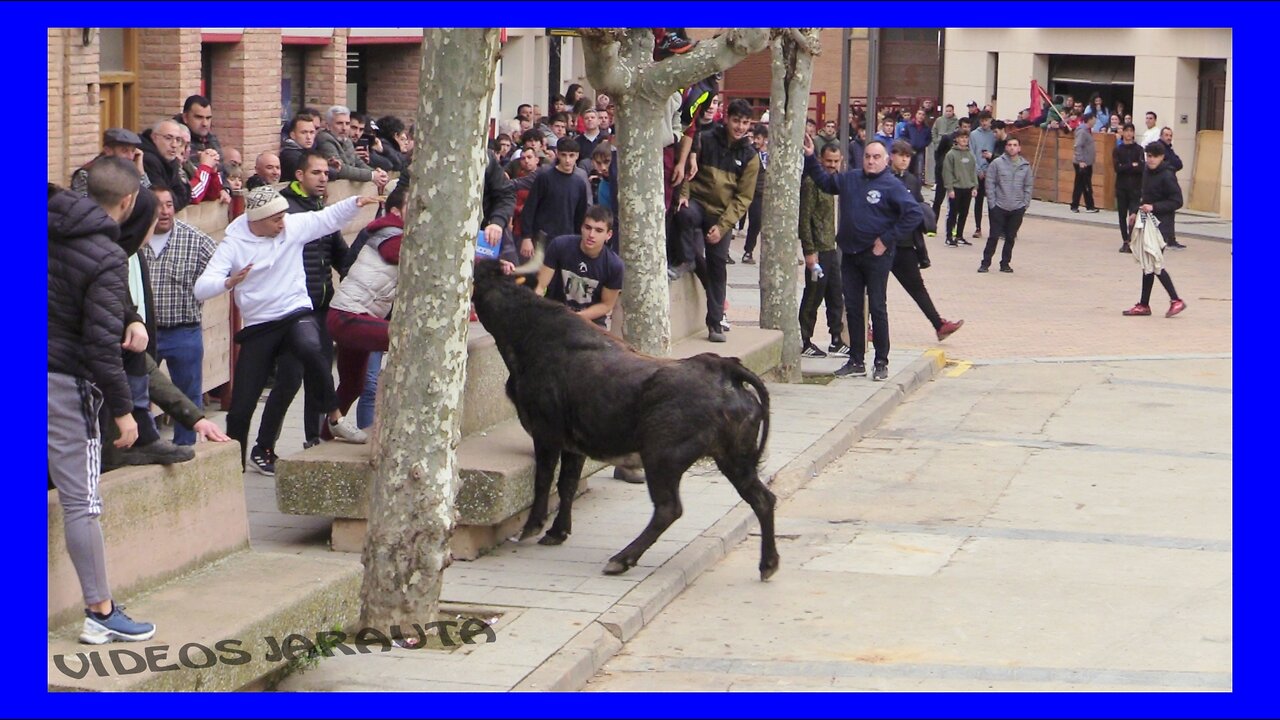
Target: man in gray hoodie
point(1082, 159)
point(1011, 181)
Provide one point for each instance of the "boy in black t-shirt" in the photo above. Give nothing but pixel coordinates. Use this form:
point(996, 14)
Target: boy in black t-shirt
point(581, 271)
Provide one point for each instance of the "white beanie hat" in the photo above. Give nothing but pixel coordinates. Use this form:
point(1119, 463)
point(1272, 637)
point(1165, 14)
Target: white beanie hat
point(263, 202)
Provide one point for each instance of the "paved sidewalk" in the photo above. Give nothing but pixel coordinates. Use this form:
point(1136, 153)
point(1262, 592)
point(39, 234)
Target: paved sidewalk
point(1017, 527)
point(560, 617)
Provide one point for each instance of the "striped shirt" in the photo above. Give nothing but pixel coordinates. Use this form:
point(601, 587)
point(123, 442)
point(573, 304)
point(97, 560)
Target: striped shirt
point(174, 272)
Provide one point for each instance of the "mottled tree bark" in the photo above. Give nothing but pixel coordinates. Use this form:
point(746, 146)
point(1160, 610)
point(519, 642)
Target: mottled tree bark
point(415, 474)
point(620, 63)
point(793, 50)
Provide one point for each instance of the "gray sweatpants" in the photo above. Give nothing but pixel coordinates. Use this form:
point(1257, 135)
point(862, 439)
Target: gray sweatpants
point(75, 457)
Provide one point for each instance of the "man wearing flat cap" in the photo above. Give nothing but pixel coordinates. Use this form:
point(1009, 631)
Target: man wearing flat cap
point(118, 142)
point(260, 260)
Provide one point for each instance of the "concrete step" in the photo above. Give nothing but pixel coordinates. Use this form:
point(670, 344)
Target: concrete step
point(157, 522)
point(219, 628)
point(759, 349)
point(496, 488)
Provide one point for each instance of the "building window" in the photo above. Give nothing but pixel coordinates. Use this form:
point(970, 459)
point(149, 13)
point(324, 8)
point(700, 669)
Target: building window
point(357, 87)
point(118, 77)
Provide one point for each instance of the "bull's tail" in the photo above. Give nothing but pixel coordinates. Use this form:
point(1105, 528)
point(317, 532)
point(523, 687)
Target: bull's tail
point(743, 376)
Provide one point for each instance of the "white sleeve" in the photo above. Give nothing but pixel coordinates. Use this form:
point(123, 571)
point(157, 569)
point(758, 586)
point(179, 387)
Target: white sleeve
point(212, 282)
point(302, 228)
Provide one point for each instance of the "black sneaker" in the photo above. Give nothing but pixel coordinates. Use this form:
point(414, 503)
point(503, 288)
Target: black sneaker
point(838, 348)
point(158, 452)
point(984, 268)
point(881, 372)
point(728, 260)
point(951, 242)
point(672, 44)
point(1124, 248)
point(307, 445)
point(853, 368)
point(748, 259)
point(264, 461)
point(715, 335)
point(812, 351)
point(962, 241)
point(1006, 268)
point(1091, 210)
point(1176, 245)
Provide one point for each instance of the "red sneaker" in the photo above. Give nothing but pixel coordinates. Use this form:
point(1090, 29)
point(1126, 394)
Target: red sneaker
point(948, 328)
point(1175, 307)
point(1138, 309)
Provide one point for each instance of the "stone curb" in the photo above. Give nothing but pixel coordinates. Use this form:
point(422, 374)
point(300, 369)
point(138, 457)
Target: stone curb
point(570, 668)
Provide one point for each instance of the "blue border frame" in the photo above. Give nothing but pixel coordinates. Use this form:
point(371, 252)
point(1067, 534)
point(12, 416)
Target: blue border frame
point(26, 681)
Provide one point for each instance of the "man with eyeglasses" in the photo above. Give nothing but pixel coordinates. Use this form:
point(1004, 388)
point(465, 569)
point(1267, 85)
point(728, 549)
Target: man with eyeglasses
point(162, 148)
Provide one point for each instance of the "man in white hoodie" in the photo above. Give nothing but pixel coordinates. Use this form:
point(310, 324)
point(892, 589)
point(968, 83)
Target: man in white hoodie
point(260, 258)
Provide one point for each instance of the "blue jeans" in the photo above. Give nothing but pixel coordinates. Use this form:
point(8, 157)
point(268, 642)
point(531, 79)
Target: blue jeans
point(364, 410)
point(182, 350)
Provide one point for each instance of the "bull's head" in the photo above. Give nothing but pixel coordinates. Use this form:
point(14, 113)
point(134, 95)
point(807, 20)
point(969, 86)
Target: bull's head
point(488, 272)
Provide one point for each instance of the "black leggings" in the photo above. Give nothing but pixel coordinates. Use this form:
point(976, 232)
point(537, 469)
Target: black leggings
point(958, 212)
point(1149, 281)
point(977, 203)
point(906, 267)
point(260, 345)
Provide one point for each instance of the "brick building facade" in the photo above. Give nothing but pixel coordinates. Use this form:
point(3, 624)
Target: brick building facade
point(134, 77)
point(257, 77)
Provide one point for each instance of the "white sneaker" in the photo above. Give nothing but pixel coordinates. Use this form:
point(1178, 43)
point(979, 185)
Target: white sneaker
point(345, 429)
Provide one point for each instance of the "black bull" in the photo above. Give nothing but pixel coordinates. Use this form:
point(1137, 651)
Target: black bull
point(582, 392)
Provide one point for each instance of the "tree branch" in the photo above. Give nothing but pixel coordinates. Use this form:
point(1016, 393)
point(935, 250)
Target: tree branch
point(806, 39)
point(709, 57)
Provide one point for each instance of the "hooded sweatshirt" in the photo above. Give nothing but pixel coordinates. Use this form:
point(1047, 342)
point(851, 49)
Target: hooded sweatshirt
point(87, 297)
point(277, 285)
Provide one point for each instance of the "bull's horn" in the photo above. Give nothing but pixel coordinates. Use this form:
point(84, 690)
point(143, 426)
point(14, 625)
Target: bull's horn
point(533, 265)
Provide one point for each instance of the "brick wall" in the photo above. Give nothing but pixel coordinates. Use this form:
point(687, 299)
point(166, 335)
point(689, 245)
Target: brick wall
point(74, 133)
point(246, 87)
point(754, 74)
point(392, 77)
point(327, 72)
point(57, 133)
point(168, 72)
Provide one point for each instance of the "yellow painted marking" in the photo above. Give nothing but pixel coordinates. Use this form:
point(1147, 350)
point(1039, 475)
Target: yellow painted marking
point(960, 368)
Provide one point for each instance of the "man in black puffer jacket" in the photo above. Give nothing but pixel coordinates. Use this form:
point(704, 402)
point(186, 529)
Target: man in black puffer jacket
point(319, 259)
point(161, 158)
point(87, 284)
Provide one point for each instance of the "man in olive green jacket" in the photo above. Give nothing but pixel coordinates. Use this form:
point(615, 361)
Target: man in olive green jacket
point(821, 261)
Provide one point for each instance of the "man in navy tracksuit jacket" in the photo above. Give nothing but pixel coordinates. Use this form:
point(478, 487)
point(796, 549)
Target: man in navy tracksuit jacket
point(876, 209)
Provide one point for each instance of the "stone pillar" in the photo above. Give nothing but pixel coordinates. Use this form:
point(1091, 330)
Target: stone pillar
point(326, 73)
point(168, 72)
point(246, 93)
point(74, 132)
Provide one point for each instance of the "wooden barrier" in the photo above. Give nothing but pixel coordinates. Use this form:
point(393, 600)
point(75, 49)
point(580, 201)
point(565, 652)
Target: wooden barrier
point(1055, 174)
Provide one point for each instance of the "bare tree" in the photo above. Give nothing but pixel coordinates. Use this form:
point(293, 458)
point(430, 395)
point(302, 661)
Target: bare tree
point(415, 478)
point(793, 50)
point(620, 63)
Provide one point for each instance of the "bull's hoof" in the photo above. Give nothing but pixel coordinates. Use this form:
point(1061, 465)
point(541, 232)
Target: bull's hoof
point(768, 569)
point(553, 538)
point(528, 532)
point(616, 567)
